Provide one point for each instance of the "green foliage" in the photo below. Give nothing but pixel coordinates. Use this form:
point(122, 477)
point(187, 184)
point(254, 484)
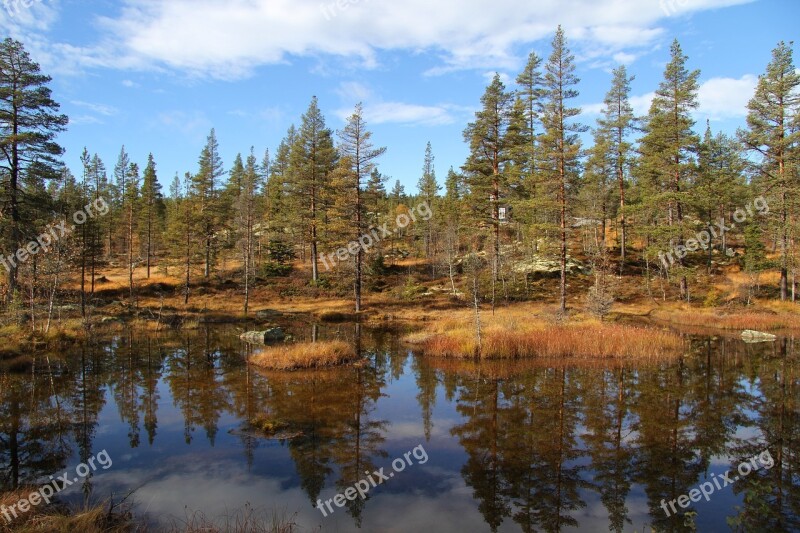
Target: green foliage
point(281, 252)
point(411, 289)
point(754, 259)
point(272, 269)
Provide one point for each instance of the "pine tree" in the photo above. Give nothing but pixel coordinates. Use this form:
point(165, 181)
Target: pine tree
point(668, 147)
point(355, 144)
point(530, 95)
point(29, 123)
point(561, 143)
point(773, 135)
point(99, 188)
point(489, 154)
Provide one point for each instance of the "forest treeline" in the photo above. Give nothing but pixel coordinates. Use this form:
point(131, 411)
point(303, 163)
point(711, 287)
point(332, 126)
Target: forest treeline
point(529, 190)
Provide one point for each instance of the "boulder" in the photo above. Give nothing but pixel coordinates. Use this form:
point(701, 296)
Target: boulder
point(540, 268)
point(264, 337)
point(750, 336)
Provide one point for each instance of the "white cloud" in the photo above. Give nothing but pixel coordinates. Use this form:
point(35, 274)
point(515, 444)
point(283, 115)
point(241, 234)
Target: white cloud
point(397, 112)
point(641, 103)
point(723, 98)
point(378, 111)
point(718, 98)
point(229, 38)
point(624, 58)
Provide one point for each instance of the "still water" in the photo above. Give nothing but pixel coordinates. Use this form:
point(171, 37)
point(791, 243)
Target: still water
point(531, 447)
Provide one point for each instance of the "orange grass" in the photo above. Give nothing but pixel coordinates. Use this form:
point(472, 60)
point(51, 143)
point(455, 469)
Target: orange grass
point(304, 355)
point(739, 321)
point(579, 341)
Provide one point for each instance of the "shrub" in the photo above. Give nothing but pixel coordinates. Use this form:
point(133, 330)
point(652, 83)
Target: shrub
point(272, 269)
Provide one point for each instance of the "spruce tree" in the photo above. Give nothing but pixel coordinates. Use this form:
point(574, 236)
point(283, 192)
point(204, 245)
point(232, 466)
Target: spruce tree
point(153, 212)
point(313, 157)
point(428, 191)
point(614, 129)
point(206, 196)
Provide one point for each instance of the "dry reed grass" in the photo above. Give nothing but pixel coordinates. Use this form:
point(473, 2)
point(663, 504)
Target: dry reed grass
point(585, 340)
point(757, 320)
point(102, 518)
point(304, 355)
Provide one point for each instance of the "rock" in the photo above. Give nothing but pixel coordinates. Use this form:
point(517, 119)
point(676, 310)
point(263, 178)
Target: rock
point(750, 336)
point(539, 267)
point(267, 314)
point(264, 337)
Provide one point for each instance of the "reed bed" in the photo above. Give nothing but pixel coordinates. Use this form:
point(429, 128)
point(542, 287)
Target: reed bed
point(305, 355)
point(570, 341)
point(761, 321)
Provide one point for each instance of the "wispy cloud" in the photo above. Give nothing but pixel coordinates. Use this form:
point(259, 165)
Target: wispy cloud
point(230, 38)
point(191, 123)
point(378, 111)
point(100, 109)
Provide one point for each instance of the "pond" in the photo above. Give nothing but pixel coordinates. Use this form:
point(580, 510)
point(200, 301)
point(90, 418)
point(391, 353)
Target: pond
point(535, 446)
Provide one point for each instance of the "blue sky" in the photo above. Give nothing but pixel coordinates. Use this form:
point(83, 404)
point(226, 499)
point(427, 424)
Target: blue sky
point(157, 75)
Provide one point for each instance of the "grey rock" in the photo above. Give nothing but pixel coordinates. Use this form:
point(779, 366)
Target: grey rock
point(264, 337)
point(751, 337)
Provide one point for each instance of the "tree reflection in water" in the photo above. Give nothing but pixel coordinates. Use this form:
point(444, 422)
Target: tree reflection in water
point(541, 440)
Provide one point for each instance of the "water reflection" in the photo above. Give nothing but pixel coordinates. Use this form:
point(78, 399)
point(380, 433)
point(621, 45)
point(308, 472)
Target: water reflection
point(533, 446)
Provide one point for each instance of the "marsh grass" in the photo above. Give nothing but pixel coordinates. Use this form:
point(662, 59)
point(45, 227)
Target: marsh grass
point(245, 520)
point(102, 518)
point(304, 355)
point(757, 320)
point(513, 339)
